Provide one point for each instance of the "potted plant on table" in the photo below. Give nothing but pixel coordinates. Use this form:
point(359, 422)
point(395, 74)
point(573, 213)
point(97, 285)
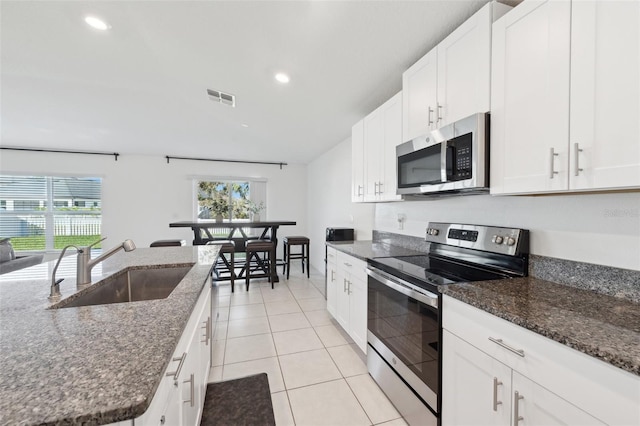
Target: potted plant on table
point(255, 210)
point(219, 207)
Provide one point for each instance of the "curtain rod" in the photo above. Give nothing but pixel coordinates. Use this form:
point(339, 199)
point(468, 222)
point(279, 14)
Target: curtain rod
point(61, 151)
point(170, 157)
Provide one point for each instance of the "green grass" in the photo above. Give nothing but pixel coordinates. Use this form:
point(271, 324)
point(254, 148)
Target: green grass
point(60, 241)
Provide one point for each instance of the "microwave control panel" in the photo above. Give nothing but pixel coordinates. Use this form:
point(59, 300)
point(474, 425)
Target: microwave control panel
point(459, 158)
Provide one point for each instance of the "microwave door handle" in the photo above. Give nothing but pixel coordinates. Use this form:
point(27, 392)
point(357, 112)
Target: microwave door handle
point(443, 161)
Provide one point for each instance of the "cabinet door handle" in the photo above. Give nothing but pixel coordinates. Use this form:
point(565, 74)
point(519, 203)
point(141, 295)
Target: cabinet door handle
point(207, 331)
point(348, 287)
point(176, 373)
point(439, 112)
point(333, 276)
point(192, 390)
point(499, 342)
point(430, 111)
point(516, 412)
point(576, 158)
point(496, 383)
point(344, 285)
point(552, 161)
point(360, 188)
point(379, 188)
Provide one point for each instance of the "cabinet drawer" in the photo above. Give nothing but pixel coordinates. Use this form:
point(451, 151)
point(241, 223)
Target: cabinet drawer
point(604, 391)
point(332, 255)
point(350, 264)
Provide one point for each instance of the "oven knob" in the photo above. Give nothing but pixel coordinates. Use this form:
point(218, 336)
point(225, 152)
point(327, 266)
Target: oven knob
point(510, 241)
point(497, 239)
point(434, 231)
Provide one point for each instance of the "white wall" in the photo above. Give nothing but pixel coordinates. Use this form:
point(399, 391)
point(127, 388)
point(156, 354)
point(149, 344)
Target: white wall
point(595, 228)
point(143, 194)
point(329, 200)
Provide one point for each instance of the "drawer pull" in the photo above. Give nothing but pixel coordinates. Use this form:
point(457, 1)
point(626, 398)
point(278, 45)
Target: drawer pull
point(496, 383)
point(176, 373)
point(348, 264)
point(207, 331)
point(518, 352)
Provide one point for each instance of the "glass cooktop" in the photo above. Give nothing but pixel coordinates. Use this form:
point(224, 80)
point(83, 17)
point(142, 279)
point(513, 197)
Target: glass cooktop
point(432, 270)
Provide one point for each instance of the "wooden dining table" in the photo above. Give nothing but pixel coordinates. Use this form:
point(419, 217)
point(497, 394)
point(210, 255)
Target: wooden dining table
point(204, 230)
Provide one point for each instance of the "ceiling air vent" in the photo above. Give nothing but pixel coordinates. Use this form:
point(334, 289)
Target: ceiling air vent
point(221, 97)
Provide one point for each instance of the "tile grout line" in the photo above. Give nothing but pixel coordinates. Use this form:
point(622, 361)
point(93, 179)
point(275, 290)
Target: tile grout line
point(284, 383)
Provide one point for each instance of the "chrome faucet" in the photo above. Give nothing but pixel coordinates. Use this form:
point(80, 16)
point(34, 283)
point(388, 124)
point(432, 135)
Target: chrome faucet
point(86, 264)
point(55, 285)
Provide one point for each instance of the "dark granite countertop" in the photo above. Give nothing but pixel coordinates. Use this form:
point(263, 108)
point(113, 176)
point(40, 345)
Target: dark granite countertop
point(605, 327)
point(364, 250)
point(95, 364)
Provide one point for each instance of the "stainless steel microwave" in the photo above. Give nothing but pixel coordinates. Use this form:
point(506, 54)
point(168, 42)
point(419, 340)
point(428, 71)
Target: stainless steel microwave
point(452, 159)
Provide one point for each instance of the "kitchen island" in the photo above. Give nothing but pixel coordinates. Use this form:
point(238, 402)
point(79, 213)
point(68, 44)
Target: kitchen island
point(92, 364)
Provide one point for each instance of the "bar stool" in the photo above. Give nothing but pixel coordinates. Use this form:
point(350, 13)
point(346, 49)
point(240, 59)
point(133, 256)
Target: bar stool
point(304, 254)
point(168, 243)
point(224, 265)
point(266, 264)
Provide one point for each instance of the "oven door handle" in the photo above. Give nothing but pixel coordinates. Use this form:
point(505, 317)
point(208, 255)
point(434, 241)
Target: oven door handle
point(404, 287)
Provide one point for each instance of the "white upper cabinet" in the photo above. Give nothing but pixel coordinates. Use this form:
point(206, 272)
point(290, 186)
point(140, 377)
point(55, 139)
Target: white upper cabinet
point(419, 85)
point(382, 133)
point(530, 98)
point(464, 68)
point(605, 95)
point(373, 155)
point(565, 97)
point(452, 81)
point(357, 162)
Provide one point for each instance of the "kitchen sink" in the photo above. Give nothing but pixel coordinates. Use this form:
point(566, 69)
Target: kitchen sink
point(128, 285)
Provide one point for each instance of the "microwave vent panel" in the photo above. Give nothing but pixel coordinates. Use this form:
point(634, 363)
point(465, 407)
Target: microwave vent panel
point(221, 97)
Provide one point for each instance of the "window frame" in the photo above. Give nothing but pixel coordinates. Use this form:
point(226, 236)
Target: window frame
point(50, 212)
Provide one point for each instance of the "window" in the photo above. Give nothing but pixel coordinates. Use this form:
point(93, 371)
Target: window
point(47, 213)
point(228, 199)
point(232, 199)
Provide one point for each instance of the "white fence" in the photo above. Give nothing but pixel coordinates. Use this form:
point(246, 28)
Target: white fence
point(76, 225)
point(25, 225)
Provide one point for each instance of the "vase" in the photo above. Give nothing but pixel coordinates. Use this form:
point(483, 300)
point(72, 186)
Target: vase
point(255, 217)
point(218, 218)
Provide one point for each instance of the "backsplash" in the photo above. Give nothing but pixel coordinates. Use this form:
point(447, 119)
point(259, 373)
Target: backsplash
point(406, 241)
point(622, 283)
point(617, 282)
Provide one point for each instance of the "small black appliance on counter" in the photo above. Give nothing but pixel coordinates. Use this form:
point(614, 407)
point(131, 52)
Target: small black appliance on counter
point(339, 234)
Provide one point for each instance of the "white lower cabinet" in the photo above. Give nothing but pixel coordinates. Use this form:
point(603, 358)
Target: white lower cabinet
point(179, 398)
point(469, 376)
point(497, 373)
point(350, 290)
point(488, 392)
point(332, 281)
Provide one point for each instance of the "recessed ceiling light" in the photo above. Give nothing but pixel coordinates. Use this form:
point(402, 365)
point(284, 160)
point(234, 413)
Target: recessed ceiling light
point(244, 125)
point(96, 23)
point(282, 77)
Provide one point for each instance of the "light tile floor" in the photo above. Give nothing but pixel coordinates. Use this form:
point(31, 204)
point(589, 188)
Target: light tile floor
point(317, 375)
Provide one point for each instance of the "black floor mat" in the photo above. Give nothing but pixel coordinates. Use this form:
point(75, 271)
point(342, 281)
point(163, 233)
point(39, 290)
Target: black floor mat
point(239, 402)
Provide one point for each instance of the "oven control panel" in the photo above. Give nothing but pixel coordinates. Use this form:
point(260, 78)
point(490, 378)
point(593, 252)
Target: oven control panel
point(510, 241)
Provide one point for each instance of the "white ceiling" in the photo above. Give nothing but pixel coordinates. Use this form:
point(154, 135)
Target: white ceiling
point(140, 88)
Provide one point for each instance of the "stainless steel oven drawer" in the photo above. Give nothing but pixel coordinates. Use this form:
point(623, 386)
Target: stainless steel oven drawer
point(414, 411)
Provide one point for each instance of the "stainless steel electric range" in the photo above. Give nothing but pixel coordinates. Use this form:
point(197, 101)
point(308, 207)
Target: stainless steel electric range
point(404, 320)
